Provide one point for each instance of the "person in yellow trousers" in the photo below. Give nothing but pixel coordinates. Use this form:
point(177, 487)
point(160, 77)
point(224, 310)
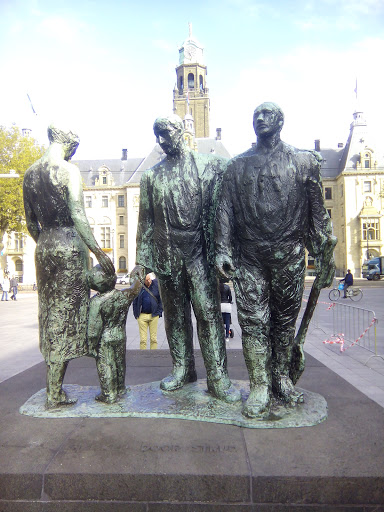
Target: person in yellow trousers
point(147, 309)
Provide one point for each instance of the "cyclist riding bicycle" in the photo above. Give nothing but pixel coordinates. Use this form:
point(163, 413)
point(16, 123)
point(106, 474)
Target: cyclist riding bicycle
point(348, 281)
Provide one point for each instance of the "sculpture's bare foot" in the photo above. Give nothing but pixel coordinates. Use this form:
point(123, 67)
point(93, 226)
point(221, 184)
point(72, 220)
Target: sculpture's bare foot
point(258, 402)
point(287, 391)
point(178, 378)
point(227, 394)
point(111, 399)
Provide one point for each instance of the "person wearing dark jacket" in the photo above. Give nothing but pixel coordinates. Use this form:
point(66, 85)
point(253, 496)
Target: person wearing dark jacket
point(147, 309)
point(226, 308)
point(348, 281)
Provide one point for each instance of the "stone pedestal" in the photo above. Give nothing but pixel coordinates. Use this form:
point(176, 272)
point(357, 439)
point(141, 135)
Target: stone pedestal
point(165, 465)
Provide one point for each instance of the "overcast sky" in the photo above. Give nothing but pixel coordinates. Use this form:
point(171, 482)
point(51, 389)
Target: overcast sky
point(107, 69)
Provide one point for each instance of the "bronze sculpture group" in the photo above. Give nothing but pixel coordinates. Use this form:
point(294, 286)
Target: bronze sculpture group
point(201, 217)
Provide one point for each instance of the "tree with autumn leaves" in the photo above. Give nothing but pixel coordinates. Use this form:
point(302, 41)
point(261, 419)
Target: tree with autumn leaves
point(17, 154)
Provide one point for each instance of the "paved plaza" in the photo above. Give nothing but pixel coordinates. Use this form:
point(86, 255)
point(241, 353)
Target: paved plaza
point(19, 340)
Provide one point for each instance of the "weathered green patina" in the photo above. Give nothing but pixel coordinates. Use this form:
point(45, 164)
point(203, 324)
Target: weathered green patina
point(192, 402)
point(106, 332)
point(56, 220)
point(175, 240)
point(271, 209)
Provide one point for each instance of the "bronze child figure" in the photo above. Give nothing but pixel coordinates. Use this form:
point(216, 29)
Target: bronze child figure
point(106, 331)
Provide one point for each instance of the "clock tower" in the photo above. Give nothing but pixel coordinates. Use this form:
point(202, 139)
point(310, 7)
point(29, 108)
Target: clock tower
point(190, 95)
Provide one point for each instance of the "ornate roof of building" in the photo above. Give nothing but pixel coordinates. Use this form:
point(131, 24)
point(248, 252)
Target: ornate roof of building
point(330, 166)
point(121, 170)
point(212, 147)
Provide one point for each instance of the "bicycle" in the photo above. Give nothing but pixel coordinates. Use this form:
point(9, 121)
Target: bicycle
point(353, 293)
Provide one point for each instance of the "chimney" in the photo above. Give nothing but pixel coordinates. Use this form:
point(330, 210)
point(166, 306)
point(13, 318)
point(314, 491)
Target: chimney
point(218, 133)
point(124, 155)
point(317, 145)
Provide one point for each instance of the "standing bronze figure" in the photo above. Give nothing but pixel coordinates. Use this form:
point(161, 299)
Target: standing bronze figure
point(271, 209)
point(175, 240)
point(56, 220)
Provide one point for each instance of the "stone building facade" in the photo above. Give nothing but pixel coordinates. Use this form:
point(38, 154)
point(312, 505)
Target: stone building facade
point(353, 182)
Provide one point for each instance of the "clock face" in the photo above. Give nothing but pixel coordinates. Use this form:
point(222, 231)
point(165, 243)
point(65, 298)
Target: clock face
point(189, 52)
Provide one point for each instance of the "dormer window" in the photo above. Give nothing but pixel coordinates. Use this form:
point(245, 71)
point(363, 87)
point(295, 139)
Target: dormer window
point(104, 180)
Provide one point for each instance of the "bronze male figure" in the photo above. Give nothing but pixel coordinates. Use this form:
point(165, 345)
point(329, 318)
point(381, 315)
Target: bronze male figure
point(272, 208)
point(175, 240)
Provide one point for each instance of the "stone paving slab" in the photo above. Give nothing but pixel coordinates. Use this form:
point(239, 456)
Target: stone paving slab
point(157, 465)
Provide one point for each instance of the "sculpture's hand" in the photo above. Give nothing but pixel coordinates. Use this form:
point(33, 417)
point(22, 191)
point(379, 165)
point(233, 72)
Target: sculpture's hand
point(137, 274)
point(225, 266)
point(105, 263)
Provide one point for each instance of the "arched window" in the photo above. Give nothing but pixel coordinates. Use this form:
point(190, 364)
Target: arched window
point(201, 83)
point(19, 266)
point(191, 81)
point(122, 263)
point(181, 84)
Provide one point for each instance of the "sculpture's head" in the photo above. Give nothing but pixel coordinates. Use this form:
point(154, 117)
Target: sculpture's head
point(268, 119)
point(169, 133)
point(99, 281)
point(66, 138)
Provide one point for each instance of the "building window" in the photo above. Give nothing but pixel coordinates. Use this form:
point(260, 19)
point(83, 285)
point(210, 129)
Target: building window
point(121, 220)
point(191, 81)
point(88, 201)
point(311, 261)
point(104, 201)
point(19, 242)
point(201, 83)
point(367, 186)
point(19, 266)
point(105, 237)
point(329, 211)
point(120, 201)
point(121, 241)
point(371, 229)
point(122, 264)
point(328, 193)
point(104, 180)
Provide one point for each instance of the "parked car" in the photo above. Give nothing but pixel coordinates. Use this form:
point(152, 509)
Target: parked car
point(123, 280)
